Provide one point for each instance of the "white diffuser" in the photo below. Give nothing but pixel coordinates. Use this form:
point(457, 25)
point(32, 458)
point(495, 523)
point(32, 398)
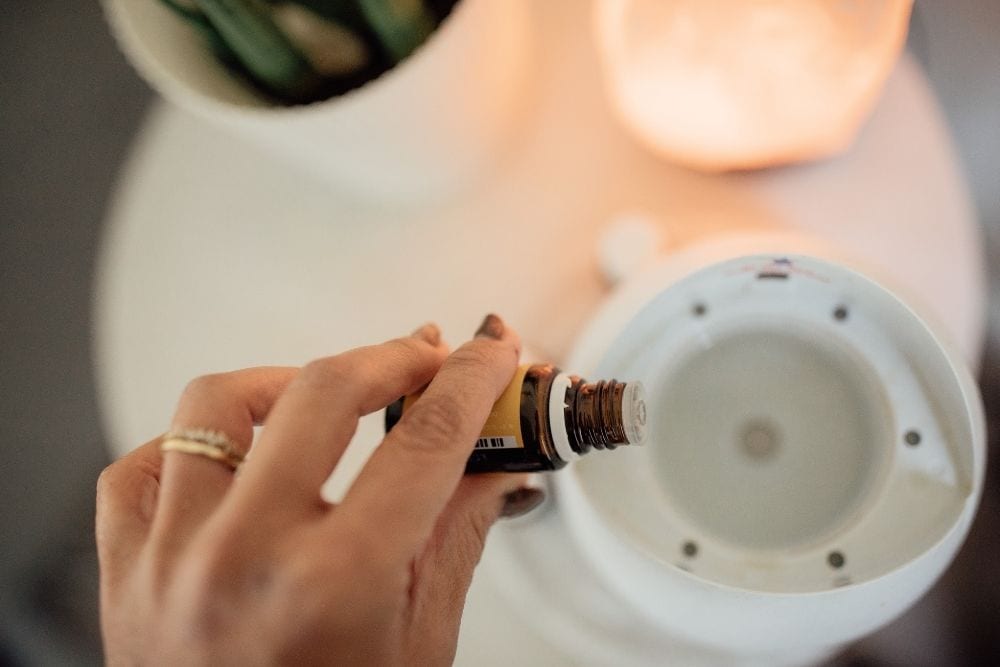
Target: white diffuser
point(814, 460)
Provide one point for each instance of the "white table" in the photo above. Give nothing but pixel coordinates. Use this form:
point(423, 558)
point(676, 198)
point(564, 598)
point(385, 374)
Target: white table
point(216, 257)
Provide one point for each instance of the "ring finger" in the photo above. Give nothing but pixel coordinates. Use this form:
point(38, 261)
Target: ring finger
point(192, 485)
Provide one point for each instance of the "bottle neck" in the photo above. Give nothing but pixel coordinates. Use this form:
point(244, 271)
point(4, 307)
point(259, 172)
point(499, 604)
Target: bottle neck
point(595, 414)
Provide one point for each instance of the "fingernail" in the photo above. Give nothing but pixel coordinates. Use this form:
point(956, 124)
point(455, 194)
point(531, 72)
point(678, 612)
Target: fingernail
point(429, 333)
point(492, 327)
point(522, 501)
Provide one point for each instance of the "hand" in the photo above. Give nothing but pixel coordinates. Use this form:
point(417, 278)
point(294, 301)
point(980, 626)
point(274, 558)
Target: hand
point(200, 568)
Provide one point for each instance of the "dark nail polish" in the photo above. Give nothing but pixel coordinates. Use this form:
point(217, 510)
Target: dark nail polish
point(522, 501)
point(492, 327)
point(429, 333)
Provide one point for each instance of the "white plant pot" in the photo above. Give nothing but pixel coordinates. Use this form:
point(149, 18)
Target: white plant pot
point(421, 130)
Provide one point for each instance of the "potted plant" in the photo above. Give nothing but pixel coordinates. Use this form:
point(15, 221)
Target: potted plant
point(390, 98)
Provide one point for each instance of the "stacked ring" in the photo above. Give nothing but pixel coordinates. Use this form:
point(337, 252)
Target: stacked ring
point(203, 442)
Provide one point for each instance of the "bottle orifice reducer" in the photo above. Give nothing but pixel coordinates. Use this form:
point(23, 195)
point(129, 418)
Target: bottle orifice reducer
point(546, 418)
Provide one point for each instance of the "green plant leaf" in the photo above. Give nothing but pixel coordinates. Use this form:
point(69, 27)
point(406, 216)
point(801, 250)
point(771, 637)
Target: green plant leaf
point(401, 25)
point(262, 48)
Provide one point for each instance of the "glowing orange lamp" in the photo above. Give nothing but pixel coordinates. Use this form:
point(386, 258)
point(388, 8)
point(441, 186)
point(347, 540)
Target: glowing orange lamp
point(741, 84)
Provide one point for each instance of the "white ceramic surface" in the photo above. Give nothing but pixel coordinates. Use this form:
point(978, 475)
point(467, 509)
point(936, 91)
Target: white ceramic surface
point(216, 257)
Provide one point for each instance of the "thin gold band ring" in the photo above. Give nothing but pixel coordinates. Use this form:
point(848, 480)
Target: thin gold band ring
point(211, 444)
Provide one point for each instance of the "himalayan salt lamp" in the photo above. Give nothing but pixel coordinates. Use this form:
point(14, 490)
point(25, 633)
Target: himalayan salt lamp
point(720, 85)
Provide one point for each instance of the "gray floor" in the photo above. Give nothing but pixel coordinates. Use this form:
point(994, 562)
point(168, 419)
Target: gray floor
point(69, 106)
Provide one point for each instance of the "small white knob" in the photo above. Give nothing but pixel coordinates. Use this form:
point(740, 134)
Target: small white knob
point(630, 242)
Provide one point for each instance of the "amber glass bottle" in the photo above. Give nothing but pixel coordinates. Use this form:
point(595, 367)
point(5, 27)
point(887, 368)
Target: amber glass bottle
point(546, 418)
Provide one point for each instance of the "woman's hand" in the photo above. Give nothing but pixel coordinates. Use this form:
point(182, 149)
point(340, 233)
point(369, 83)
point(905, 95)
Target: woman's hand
point(200, 568)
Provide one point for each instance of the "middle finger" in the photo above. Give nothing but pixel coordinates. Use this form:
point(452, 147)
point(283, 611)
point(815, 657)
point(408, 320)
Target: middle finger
point(315, 419)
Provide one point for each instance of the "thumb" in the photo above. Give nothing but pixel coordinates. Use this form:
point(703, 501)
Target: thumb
point(444, 571)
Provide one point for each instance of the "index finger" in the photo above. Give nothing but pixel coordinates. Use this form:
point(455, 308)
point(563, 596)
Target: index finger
point(415, 471)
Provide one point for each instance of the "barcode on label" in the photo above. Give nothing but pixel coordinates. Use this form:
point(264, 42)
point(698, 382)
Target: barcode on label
point(497, 442)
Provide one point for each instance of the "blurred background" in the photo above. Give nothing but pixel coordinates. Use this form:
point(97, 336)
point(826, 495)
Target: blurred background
point(69, 109)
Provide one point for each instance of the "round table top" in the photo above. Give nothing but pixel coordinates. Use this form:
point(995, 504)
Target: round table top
point(217, 257)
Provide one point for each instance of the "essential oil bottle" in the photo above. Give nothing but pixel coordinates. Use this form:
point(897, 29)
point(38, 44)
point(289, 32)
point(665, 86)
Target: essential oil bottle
point(546, 418)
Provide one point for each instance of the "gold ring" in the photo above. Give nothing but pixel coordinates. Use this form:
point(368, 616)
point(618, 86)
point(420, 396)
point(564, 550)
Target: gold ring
point(203, 442)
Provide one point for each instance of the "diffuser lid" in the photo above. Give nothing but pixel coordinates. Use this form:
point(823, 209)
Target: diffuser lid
point(807, 430)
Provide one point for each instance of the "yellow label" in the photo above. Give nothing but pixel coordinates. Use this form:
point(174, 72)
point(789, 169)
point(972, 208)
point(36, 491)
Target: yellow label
point(502, 429)
point(505, 417)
